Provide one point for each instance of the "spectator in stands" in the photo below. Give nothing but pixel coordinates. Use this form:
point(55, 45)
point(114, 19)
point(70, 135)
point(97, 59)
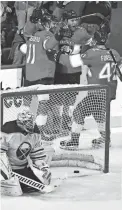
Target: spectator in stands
point(15, 54)
point(8, 30)
point(24, 10)
point(2, 13)
point(9, 23)
point(6, 6)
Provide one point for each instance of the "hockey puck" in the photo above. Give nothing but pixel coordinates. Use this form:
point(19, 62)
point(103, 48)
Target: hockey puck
point(76, 171)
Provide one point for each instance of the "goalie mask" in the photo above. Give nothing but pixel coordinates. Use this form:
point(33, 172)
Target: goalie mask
point(25, 120)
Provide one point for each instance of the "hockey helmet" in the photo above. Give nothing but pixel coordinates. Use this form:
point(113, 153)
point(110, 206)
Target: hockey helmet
point(71, 14)
point(101, 35)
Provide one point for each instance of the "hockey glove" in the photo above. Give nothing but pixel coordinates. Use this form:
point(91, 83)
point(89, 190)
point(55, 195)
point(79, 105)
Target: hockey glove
point(66, 49)
point(53, 55)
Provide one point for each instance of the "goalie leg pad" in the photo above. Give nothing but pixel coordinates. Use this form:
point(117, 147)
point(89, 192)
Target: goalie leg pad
point(11, 187)
point(5, 168)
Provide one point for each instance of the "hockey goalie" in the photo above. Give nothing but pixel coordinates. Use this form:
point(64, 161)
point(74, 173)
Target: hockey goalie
point(24, 162)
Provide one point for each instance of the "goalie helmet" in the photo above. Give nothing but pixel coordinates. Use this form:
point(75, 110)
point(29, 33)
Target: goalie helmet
point(25, 120)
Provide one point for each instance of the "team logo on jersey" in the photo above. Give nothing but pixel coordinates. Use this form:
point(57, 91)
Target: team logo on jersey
point(23, 150)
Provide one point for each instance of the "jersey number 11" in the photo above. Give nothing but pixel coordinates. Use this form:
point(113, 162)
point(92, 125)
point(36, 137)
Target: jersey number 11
point(31, 54)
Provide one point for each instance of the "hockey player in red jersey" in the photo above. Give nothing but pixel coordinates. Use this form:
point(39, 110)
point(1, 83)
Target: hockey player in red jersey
point(90, 20)
point(67, 74)
point(39, 70)
point(21, 141)
point(101, 69)
point(81, 38)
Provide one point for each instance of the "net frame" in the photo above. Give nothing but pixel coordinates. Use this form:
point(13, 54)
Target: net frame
point(45, 89)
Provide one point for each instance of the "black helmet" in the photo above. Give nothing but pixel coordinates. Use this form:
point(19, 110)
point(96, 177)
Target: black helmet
point(101, 35)
point(69, 14)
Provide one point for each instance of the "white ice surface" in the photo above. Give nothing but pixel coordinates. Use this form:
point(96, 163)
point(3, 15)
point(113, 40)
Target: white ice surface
point(97, 190)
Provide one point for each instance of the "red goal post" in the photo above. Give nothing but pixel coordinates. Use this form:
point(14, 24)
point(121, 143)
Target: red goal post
point(51, 102)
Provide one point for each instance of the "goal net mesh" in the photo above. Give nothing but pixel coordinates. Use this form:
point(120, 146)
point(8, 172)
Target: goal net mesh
point(61, 111)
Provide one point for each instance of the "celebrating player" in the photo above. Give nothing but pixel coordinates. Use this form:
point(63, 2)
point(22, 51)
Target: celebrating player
point(21, 141)
point(67, 74)
point(101, 70)
point(39, 70)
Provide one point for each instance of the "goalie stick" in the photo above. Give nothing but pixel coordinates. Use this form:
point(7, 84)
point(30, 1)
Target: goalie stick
point(37, 185)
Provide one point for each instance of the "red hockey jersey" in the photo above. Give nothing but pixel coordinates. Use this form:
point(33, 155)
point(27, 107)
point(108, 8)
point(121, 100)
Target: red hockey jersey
point(101, 67)
point(38, 66)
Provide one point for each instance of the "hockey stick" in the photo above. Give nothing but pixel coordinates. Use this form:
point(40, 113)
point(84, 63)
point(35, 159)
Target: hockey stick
point(86, 16)
point(117, 69)
point(92, 15)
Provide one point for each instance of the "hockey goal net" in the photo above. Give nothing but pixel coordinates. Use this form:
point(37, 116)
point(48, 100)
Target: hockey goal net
point(60, 111)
